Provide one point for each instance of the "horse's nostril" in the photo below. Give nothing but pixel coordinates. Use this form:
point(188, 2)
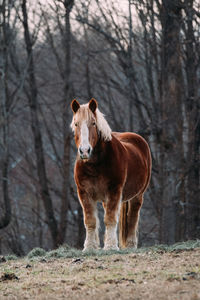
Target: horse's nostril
point(85, 152)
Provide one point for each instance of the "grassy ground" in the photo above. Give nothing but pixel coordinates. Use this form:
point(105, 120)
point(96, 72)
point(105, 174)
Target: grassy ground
point(147, 273)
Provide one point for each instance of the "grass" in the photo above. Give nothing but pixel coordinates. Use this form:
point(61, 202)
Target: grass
point(67, 252)
point(11, 257)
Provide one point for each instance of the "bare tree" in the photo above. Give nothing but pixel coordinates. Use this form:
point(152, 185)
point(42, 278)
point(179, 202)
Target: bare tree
point(171, 103)
point(68, 93)
point(192, 64)
point(4, 110)
point(35, 125)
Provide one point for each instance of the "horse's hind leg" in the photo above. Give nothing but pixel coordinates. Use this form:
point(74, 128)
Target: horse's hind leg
point(133, 216)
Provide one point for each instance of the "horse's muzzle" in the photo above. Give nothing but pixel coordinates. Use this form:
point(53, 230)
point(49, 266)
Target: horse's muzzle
point(85, 152)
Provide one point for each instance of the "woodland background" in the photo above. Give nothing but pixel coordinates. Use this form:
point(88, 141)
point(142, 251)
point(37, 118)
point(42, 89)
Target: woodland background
point(141, 61)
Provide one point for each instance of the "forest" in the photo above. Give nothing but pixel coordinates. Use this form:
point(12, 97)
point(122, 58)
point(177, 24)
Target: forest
point(141, 60)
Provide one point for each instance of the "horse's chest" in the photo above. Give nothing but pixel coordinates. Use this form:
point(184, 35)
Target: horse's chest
point(96, 189)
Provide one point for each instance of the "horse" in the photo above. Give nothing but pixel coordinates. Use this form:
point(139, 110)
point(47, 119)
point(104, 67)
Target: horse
point(113, 168)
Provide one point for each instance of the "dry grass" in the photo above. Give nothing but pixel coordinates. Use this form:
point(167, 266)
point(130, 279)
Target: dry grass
point(153, 273)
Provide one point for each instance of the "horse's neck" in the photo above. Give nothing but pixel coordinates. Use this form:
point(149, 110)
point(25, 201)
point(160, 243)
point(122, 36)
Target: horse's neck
point(100, 154)
point(99, 151)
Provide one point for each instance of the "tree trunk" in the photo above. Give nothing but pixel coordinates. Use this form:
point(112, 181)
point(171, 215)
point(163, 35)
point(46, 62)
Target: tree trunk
point(172, 119)
point(35, 125)
point(81, 229)
point(4, 116)
point(68, 5)
point(192, 114)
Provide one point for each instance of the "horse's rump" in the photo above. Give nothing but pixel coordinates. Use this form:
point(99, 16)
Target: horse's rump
point(138, 160)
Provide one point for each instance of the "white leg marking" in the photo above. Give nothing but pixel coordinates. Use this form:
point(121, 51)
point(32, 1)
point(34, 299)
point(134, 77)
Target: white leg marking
point(111, 241)
point(92, 236)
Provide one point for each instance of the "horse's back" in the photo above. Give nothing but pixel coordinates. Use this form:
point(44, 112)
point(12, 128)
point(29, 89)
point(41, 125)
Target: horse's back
point(132, 141)
point(138, 158)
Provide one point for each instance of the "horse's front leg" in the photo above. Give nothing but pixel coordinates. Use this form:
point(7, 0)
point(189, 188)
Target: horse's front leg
point(111, 216)
point(91, 221)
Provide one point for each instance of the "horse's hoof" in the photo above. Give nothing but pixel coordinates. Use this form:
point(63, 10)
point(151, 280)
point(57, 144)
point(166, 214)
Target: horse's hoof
point(106, 248)
point(87, 249)
point(131, 244)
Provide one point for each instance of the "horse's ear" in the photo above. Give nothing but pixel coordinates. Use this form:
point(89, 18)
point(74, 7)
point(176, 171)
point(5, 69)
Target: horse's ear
point(93, 105)
point(75, 105)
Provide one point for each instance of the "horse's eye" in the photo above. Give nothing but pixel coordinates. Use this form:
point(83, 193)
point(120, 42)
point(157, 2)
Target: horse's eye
point(93, 123)
point(76, 124)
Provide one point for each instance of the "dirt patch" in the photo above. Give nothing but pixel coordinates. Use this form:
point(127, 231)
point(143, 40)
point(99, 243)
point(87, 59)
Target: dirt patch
point(151, 275)
point(8, 276)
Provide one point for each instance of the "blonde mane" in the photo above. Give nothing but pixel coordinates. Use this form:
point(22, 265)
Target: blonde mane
point(84, 113)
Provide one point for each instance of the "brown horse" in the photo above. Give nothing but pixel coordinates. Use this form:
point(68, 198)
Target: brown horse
point(113, 168)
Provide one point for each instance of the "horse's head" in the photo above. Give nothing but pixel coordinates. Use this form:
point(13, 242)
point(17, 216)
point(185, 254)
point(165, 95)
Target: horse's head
point(84, 125)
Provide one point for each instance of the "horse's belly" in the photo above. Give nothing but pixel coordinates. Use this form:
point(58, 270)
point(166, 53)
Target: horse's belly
point(134, 185)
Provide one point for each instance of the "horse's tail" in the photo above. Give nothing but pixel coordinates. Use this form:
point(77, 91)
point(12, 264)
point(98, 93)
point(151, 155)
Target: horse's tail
point(123, 224)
